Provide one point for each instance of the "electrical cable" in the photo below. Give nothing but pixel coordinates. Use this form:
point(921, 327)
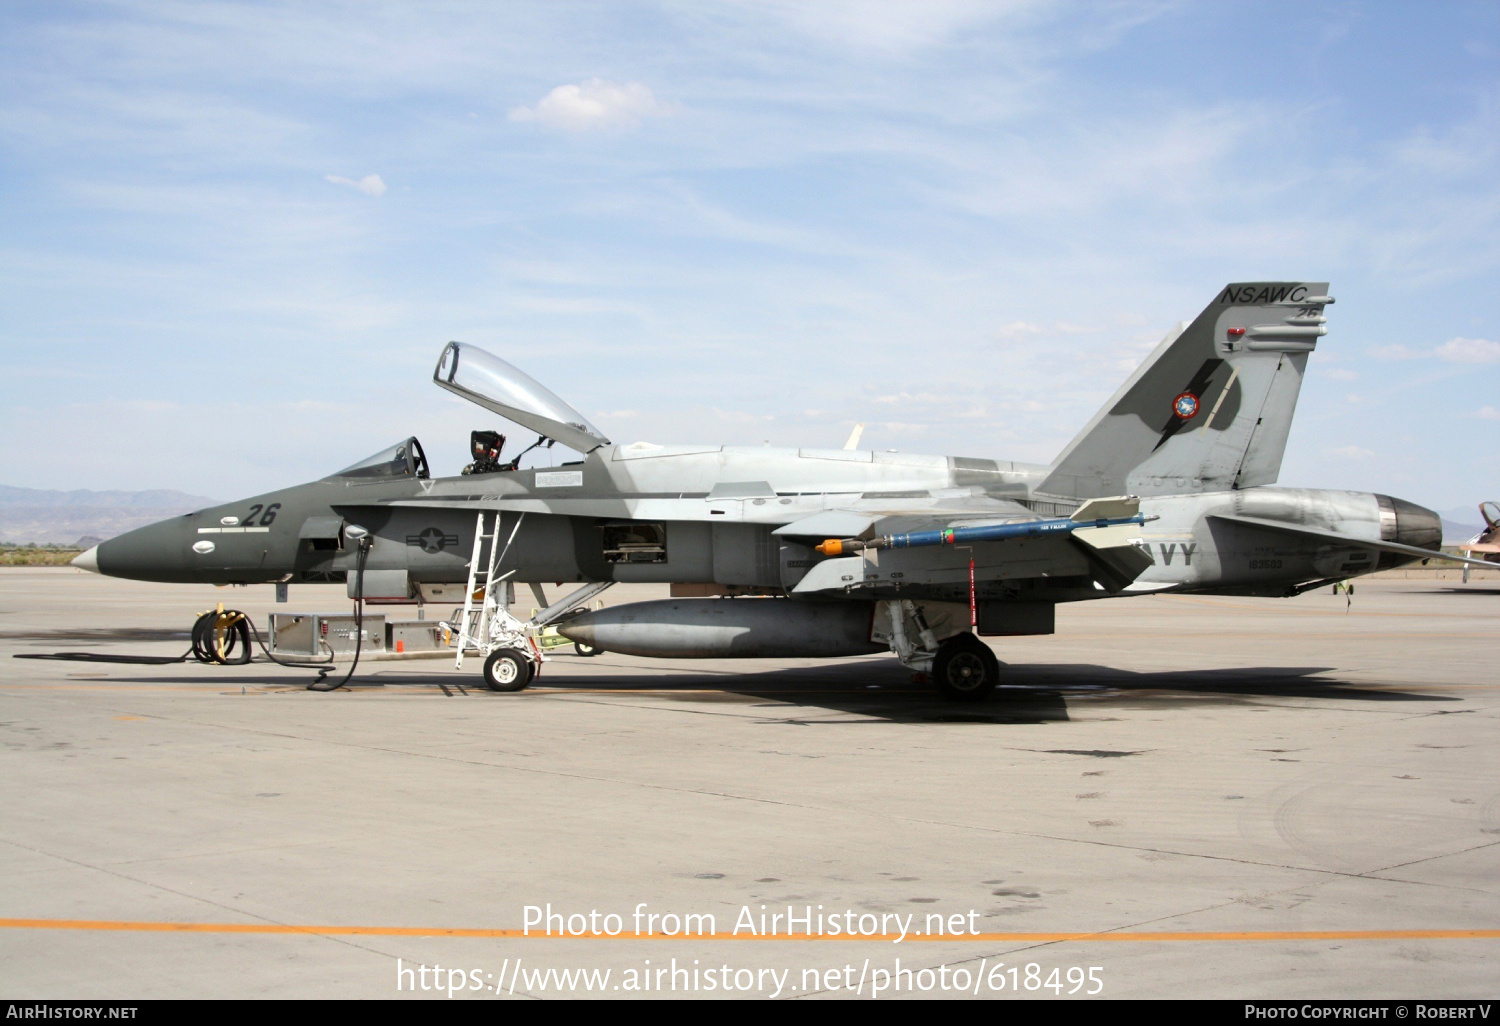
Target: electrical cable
point(241, 630)
point(321, 684)
point(238, 630)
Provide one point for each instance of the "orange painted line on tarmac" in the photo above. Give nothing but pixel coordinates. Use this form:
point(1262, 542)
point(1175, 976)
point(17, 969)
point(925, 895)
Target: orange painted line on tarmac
point(1024, 938)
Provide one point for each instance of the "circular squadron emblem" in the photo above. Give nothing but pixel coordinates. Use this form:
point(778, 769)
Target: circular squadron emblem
point(1185, 406)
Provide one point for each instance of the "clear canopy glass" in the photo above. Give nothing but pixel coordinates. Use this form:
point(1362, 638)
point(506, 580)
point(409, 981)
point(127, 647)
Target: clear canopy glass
point(404, 459)
point(486, 379)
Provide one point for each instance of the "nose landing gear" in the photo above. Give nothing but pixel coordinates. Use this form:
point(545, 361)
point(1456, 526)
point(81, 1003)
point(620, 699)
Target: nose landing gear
point(508, 669)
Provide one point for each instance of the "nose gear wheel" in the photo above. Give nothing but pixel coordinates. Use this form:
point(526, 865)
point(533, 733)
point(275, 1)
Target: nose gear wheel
point(507, 669)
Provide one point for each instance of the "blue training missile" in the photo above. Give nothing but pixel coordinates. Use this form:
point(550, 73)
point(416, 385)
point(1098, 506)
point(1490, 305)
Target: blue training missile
point(966, 535)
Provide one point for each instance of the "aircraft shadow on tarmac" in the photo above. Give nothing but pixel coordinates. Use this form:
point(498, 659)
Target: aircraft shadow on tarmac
point(101, 634)
point(1028, 694)
point(884, 691)
point(880, 690)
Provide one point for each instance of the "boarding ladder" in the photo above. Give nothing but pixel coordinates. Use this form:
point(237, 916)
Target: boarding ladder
point(481, 601)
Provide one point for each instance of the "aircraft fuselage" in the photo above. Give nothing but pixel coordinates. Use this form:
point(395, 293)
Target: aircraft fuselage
point(714, 511)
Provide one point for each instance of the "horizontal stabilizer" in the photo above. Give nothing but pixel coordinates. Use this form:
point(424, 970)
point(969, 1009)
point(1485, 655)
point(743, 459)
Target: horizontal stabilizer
point(1414, 551)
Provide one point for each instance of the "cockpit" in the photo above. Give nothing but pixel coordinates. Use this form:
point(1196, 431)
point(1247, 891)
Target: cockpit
point(404, 459)
point(486, 447)
point(490, 382)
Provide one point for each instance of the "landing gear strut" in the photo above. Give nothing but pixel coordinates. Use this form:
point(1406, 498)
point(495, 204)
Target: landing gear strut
point(965, 670)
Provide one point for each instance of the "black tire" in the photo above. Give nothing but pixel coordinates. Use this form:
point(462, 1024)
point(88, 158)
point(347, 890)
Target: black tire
point(965, 669)
point(584, 650)
point(507, 670)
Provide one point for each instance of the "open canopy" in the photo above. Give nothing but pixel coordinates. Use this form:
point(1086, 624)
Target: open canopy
point(484, 378)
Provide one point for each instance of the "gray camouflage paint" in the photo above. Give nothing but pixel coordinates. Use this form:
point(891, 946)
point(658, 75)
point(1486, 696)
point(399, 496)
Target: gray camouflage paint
point(731, 513)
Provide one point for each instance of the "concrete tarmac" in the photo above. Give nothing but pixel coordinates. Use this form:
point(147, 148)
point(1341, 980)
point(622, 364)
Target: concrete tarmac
point(1232, 797)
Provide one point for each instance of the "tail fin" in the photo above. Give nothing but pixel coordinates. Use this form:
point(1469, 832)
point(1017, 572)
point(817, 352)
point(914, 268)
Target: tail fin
point(1210, 409)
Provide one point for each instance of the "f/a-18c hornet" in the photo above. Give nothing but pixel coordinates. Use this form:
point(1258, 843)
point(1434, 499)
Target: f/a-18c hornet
point(1486, 544)
point(828, 552)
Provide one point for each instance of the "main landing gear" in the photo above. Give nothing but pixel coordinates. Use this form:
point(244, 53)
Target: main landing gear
point(965, 669)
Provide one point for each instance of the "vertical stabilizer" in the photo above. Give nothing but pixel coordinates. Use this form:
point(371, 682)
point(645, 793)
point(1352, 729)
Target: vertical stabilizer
point(1210, 408)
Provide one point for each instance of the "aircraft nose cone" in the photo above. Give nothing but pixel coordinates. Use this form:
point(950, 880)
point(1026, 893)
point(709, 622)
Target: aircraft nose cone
point(1417, 525)
point(88, 560)
point(156, 552)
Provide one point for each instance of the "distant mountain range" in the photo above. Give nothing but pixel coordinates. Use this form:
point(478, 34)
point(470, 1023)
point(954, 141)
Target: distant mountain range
point(83, 517)
point(1460, 524)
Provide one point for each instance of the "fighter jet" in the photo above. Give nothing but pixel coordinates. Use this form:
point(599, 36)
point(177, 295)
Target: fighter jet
point(833, 552)
point(1486, 544)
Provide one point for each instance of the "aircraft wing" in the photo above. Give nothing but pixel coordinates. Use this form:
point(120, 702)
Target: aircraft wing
point(816, 523)
point(1007, 541)
point(1004, 540)
point(861, 519)
point(1344, 539)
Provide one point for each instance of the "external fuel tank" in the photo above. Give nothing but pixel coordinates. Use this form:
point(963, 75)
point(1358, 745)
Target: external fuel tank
point(741, 628)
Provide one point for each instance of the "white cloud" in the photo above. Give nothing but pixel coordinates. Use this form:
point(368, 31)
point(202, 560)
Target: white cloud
point(370, 185)
point(1352, 452)
point(740, 416)
point(1469, 350)
point(1455, 350)
point(593, 103)
point(1018, 328)
point(892, 26)
point(1488, 413)
point(1340, 374)
point(907, 398)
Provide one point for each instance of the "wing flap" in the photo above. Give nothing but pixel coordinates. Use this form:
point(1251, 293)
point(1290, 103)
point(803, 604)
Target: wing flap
point(832, 575)
point(1115, 554)
point(831, 523)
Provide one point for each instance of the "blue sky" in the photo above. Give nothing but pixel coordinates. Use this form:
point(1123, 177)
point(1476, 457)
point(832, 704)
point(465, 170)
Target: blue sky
point(234, 237)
